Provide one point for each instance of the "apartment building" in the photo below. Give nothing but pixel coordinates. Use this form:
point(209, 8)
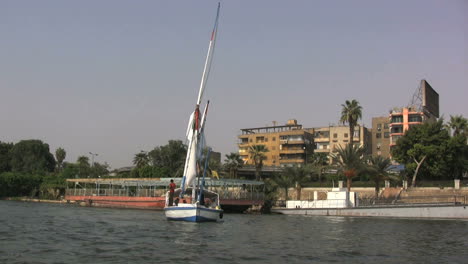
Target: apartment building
point(381, 136)
point(402, 119)
point(330, 139)
point(287, 144)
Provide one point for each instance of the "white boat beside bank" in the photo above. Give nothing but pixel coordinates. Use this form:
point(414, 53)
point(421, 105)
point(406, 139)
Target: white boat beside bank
point(192, 202)
point(340, 202)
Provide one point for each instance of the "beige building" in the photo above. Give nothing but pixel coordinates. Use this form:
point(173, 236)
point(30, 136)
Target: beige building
point(330, 139)
point(381, 136)
point(287, 144)
point(292, 144)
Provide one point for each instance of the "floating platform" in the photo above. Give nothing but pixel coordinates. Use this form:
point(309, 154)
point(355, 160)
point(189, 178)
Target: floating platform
point(407, 211)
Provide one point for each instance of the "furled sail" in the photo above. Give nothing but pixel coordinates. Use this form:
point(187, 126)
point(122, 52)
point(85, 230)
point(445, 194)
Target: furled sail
point(195, 135)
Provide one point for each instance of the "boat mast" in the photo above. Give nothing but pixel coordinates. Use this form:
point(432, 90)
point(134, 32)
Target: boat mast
point(195, 121)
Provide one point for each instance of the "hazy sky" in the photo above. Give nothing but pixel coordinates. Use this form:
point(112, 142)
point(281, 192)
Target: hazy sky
point(117, 77)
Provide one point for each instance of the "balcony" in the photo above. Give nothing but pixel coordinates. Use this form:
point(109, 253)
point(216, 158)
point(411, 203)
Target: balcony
point(291, 142)
point(292, 151)
point(283, 161)
point(322, 139)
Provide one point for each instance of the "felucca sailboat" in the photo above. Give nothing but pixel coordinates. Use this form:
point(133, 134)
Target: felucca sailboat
point(191, 201)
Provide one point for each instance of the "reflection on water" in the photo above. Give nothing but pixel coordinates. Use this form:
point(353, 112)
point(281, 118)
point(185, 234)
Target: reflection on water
point(50, 233)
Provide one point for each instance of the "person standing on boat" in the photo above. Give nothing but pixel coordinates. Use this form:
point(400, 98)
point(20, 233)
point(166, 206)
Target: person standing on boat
point(172, 187)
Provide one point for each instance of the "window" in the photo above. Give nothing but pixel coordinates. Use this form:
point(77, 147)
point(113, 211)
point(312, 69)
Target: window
point(378, 135)
point(356, 134)
point(273, 139)
point(250, 140)
point(266, 139)
point(397, 129)
point(335, 135)
point(397, 119)
point(414, 118)
point(385, 126)
point(386, 135)
point(345, 135)
point(379, 127)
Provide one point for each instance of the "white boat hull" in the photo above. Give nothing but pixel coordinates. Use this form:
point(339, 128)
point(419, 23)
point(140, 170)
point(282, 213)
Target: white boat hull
point(193, 213)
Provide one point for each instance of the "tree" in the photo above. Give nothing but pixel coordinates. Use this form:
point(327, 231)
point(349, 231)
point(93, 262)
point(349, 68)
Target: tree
point(299, 176)
point(83, 166)
point(351, 112)
point(233, 163)
point(170, 156)
point(423, 143)
point(459, 125)
point(5, 157)
point(257, 155)
point(378, 171)
point(456, 157)
point(60, 155)
point(350, 160)
point(319, 163)
point(32, 156)
point(283, 181)
point(99, 169)
point(141, 159)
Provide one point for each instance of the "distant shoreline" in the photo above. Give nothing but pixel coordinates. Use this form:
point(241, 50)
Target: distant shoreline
point(36, 200)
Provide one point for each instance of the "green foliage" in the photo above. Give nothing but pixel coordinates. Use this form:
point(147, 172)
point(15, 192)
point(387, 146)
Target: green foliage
point(318, 163)
point(5, 157)
point(19, 184)
point(70, 171)
point(424, 148)
point(60, 155)
point(141, 159)
point(459, 125)
point(351, 112)
point(456, 157)
point(282, 180)
point(299, 176)
point(378, 171)
point(153, 172)
point(350, 161)
point(99, 170)
point(83, 167)
point(170, 156)
point(32, 156)
point(52, 186)
point(232, 164)
point(257, 155)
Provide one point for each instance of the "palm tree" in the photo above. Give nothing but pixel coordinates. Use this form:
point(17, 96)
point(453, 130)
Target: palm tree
point(141, 159)
point(351, 113)
point(299, 176)
point(283, 181)
point(350, 159)
point(233, 163)
point(319, 163)
point(60, 155)
point(257, 155)
point(459, 125)
point(378, 171)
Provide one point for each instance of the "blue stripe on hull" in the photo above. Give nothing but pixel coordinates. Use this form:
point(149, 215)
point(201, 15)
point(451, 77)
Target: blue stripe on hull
point(193, 219)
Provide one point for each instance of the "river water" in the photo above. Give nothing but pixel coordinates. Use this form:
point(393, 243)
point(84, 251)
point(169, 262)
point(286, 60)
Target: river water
point(61, 233)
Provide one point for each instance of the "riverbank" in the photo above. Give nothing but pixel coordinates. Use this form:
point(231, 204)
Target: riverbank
point(35, 200)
